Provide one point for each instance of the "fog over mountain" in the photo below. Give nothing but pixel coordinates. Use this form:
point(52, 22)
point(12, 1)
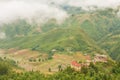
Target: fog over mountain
point(98, 3)
point(85, 3)
point(42, 10)
point(13, 9)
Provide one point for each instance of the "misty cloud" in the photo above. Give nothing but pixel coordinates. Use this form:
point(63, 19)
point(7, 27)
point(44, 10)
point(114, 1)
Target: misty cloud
point(42, 10)
point(2, 35)
point(87, 3)
point(97, 3)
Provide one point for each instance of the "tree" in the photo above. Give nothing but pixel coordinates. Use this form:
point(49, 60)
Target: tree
point(4, 68)
point(84, 70)
point(49, 69)
point(60, 67)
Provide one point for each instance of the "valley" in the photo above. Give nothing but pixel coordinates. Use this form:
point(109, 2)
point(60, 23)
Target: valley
point(48, 40)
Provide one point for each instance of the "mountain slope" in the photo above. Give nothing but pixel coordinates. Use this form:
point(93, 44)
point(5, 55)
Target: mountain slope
point(63, 40)
point(79, 32)
point(95, 24)
point(111, 43)
point(103, 26)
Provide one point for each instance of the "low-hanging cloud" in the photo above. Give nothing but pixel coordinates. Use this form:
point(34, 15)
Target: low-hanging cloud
point(87, 3)
point(98, 3)
point(13, 9)
point(42, 10)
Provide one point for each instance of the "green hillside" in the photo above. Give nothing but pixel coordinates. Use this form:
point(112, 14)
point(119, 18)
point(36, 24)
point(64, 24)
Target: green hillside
point(63, 40)
point(89, 32)
point(60, 40)
point(103, 26)
point(96, 24)
point(111, 43)
point(18, 28)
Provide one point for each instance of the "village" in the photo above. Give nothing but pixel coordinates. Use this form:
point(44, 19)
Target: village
point(97, 58)
point(34, 61)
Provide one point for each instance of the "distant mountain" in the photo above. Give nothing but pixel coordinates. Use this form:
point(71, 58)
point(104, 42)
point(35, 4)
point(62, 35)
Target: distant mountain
point(87, 31)
point(103, 26)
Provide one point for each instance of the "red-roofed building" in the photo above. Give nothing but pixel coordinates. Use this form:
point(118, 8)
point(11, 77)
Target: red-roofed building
point(76, 65)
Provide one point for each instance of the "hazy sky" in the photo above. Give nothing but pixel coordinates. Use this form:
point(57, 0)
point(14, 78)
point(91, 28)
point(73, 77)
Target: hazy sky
point(41, 10)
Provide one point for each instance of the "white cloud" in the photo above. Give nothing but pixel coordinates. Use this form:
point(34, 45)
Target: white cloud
point(42, 10)
point(98, 3)
point(13, 9)
point(86, 3)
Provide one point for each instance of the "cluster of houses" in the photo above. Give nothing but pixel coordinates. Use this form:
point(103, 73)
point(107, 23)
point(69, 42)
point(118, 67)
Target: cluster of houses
point(97, 58)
